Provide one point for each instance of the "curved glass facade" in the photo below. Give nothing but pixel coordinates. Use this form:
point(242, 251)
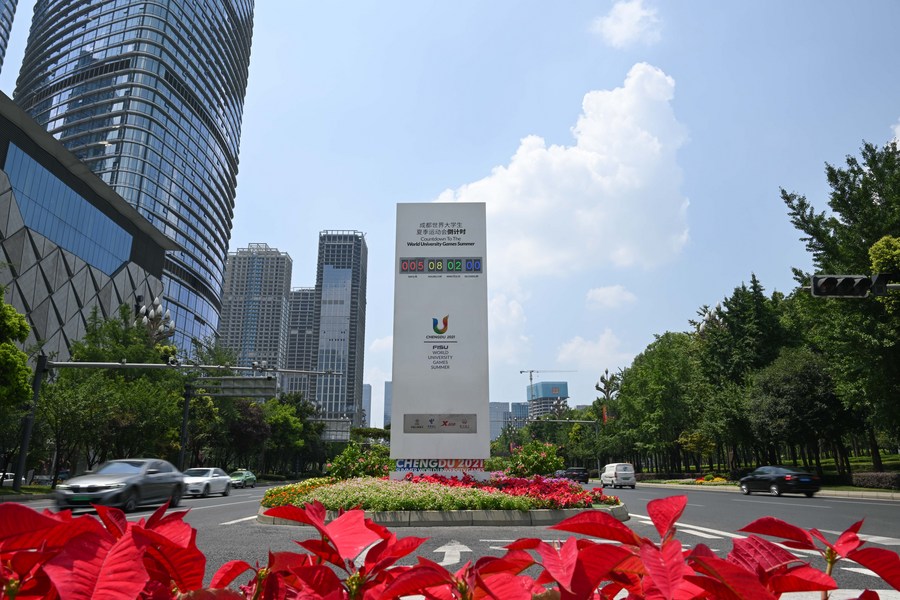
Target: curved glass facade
point(7, 12)
point(149, 94)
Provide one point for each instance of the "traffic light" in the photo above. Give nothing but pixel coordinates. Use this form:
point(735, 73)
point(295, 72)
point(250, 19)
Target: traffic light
point(841, 286)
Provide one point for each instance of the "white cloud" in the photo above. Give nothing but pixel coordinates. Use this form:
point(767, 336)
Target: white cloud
point(896, 129)
point(385, 344)
point(628, 23)
point(611, 199)
point(594, 355)
point(611, 296)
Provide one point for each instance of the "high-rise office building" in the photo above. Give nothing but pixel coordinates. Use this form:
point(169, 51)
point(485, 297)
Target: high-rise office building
point(340, 324)
point(149, 95)
point(500, 418)
point(254, 319)
point(388, 401)
point(7, 12)
point(301, 342)
point(367, 404)
point(547, 397)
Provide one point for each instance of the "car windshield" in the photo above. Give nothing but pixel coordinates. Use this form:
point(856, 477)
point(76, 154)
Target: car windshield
point(237, 474)
point(121, 467)
point(197, 472)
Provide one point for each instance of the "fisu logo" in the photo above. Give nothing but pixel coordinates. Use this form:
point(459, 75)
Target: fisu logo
point(440, 330)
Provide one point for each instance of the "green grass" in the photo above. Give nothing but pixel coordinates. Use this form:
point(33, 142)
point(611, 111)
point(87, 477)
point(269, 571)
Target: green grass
point(26, 490)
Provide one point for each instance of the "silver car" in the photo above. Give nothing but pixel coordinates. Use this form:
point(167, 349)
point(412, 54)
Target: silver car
point(126, 483)
point(203, 482)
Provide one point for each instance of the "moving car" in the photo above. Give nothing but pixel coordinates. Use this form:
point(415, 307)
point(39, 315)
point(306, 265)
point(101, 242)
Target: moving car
point(243, 478)
point(618, 475)
point(126, 483)
point(777, 480)
point(201, 481)
point(579, 474)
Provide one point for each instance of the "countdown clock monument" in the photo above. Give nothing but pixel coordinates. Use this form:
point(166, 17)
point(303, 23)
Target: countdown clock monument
point(440, 415)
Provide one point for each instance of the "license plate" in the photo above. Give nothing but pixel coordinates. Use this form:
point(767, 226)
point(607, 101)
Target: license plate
point(80, 498)
point(805, 479)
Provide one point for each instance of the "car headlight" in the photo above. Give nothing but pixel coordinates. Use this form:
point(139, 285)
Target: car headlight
point(62, 487)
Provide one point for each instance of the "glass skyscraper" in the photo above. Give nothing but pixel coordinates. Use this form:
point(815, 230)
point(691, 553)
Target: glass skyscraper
point(7, 11)
point(149, 94)
point(340, 323)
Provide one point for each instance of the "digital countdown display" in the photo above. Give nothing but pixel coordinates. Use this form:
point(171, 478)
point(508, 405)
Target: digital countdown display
point(441, 265)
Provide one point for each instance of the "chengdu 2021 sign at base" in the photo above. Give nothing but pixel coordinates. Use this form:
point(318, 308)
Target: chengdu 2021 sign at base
point(439, 413)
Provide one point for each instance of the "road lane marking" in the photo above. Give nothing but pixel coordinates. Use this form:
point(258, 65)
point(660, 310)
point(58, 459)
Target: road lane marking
point(769, 502)
point(874, 539)
point(238, 520)
point(861, 570)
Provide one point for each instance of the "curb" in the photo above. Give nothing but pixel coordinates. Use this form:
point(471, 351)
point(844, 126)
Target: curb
point(24, 497)
point(462, 518)
point(880, 495)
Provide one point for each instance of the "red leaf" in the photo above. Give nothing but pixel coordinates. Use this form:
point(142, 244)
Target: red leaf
point(598, 524)
point(228, 573)
point(113, 519)
point(89, 567)
point(739, 582)
point(665, 512)
point(350, 535)
point(758, 555)
point(560, 564)
point(884, 562)
point(213, 595)
point(802, 578)
point(849, 540)
point(665, 566)
point(22, 528)
point(771, 526)
point(418, 579)
point(507, 586)
point(166, 560)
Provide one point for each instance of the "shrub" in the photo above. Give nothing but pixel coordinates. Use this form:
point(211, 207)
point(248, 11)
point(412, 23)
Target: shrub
point(534, 458)
point(354, 461)
point(886, 481)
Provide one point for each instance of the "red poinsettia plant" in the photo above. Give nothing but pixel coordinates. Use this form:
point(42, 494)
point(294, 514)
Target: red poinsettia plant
point(57, 555)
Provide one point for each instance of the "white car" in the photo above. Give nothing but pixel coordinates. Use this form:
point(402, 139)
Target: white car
point(201, 481)
point(618, 475)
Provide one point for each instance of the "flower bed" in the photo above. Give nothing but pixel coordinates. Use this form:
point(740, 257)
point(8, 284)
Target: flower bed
point(435, 492)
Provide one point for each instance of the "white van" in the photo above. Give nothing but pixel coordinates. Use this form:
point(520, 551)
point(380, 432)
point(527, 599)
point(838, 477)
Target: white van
point(618, 475)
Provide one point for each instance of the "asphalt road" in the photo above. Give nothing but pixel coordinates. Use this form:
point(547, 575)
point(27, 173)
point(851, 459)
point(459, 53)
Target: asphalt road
point(228, 530)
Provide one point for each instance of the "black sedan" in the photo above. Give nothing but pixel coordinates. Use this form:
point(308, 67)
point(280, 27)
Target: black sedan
point(579, 474)
point(777, 480)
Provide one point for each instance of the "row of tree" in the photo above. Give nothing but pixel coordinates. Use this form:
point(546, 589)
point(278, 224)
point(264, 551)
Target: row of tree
point(761, 379)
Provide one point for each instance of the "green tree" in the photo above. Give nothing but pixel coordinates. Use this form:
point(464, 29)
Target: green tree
point(857, 337)
point(356, 461)
point(285, 439)
point(793, 406)
point(15, 376)
point(535, 458)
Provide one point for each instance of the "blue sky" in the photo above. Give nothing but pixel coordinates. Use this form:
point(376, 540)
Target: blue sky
point(630, 153)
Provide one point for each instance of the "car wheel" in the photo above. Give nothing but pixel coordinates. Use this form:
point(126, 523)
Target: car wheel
point(634, 486)
point(809, 494)
point(131, 501)
point(774, 489)
point(227, 489)
point(745, 489)
point(175, 498)
point(205, 493)
point(253, 484)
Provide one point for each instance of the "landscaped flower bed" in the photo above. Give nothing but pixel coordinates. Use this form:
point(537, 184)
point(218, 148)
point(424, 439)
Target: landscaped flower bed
point(435, 492)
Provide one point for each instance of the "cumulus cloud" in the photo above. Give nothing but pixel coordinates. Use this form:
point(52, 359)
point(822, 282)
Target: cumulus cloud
point(611, 296)
point(896, 129)
point(628, 23)
point(604, 352)
point(612, 197)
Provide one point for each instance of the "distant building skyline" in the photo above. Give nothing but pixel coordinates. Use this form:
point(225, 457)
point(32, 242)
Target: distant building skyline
point(7, 13)
point(255, 293)
point(546, 397)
